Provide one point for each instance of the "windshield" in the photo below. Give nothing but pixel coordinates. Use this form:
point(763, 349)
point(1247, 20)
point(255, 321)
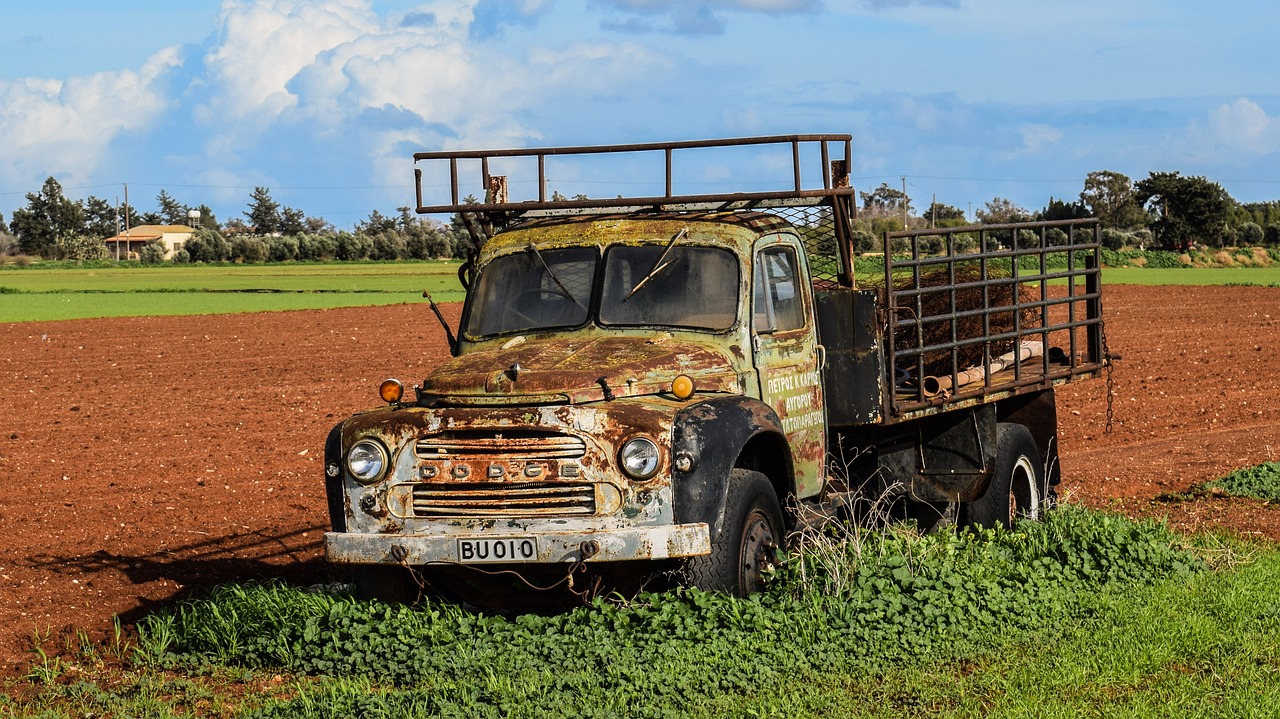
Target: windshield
point(694, 287)
point(533, 290)
point(691, 287)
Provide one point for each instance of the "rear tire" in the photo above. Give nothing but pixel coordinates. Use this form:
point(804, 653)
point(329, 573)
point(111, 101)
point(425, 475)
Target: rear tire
point(1017, 489)
point(747, 547)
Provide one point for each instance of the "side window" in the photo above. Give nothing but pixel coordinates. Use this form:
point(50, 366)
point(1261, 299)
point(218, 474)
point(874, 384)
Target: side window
point(777, 302)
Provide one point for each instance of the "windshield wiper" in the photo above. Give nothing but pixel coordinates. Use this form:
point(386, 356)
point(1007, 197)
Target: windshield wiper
point(532, 248)
point(659, 265)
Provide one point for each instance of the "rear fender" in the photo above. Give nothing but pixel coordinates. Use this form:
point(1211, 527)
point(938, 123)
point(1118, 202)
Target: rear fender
point(718, 435)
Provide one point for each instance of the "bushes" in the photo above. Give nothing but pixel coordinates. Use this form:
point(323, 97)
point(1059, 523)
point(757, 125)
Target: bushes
point(353, 247)
point(1249, 234)
point(208, 245)
point(282, 249)
point(152, 253)
point(1115, 239)
point(248, 249)
point(388, 246)
point(314, 247)
point(81, 248)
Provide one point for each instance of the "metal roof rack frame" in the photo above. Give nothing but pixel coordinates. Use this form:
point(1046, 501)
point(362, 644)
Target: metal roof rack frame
point(496, 211)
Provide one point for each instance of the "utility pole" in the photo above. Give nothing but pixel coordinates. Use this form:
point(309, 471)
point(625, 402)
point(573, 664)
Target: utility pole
point(904, 202)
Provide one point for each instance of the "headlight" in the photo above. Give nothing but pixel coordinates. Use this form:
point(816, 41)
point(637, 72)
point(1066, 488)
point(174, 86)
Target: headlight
point(639, 458)
point(366, 460)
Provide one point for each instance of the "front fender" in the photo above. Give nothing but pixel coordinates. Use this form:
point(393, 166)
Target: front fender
point(714, 434)
point(333, 471)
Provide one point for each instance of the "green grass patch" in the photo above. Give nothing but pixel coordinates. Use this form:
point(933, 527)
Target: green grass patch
point(1245, 276)
point(848, 608)
point(1084, 614)
point(37, 294)
point(870, 271)
point(1260, 482)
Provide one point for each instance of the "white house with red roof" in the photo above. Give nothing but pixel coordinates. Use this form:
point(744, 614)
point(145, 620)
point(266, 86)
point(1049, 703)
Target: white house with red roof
point(128, 244)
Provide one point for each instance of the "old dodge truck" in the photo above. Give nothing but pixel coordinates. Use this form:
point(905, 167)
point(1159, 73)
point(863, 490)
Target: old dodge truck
point(668, 384)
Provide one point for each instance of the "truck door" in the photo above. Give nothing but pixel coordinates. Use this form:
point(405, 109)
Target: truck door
point(787, 357)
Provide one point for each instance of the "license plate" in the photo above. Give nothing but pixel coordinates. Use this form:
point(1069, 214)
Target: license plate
point(498, 549)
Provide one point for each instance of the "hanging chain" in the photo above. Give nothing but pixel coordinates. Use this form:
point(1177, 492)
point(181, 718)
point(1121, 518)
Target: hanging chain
point(593, 589)
point(1111, 388)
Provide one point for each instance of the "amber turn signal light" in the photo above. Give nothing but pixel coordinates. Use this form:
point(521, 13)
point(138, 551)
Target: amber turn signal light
point(682, 387)
point(391, 390)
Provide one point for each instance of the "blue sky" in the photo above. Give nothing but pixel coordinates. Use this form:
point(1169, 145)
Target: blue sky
point(324, 101)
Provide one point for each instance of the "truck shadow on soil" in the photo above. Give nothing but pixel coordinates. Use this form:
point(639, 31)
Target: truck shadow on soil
point(255, 556)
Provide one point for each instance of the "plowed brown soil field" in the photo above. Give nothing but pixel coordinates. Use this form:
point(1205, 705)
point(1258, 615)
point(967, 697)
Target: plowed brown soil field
point(144, 458)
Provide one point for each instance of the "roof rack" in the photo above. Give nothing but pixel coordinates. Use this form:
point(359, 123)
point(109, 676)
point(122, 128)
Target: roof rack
point(496, 211)
point(835, 178)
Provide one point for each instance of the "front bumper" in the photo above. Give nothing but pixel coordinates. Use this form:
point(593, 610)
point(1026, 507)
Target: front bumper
point(605, 545)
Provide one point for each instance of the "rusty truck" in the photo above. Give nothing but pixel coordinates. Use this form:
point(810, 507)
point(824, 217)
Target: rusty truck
point(666, 383)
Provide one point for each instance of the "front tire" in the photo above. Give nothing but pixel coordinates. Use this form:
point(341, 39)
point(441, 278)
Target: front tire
point(747, 548)
point(1017, 489)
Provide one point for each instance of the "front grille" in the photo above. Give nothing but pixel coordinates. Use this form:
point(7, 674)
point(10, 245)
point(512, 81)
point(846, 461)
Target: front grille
point(465, 499)
point(511, 444)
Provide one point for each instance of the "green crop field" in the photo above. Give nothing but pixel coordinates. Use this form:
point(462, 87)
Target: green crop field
point(1257, 276)
point(33, 294)
point(36, 294)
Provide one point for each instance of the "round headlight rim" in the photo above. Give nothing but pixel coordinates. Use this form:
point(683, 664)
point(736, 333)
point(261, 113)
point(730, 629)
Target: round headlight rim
point(639, 476)
point(384, 461)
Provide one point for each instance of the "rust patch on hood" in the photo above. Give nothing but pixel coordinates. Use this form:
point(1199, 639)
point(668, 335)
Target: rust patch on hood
point(582, 370)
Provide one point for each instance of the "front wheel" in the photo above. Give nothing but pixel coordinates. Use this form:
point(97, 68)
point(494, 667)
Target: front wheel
point(1017, 489)
point(747, 547)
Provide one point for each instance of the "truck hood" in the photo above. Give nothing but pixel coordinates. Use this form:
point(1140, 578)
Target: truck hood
point(577, 371)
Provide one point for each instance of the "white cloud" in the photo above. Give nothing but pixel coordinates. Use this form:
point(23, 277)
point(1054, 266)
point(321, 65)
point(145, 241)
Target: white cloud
point(309, 92)
point(1035, 139)
point(325, 64)
point(66, 127)
point(1239, 130)
point(265, 44)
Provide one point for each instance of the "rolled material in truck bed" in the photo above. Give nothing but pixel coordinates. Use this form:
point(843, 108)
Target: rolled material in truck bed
point(934, 386)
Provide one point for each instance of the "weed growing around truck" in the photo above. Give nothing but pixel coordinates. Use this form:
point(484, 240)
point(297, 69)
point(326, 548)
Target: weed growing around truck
point(847, 608)
point(1261, 482)
point(1083, 614)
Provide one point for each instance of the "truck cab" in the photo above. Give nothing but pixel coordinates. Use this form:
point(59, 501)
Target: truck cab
point(637, 384)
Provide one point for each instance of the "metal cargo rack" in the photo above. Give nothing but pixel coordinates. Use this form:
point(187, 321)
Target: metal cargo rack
point(977, 313)
point(822, 213)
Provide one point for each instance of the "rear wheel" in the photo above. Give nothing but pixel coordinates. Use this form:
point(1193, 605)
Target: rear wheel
point(1017, 489)
point(747, 547)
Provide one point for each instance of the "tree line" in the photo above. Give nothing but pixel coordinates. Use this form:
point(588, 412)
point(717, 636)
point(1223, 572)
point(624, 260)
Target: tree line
point(53, 226)
point(1164, 210)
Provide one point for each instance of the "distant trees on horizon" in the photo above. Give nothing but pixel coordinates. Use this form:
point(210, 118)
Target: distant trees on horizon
point(55, 227)
point(1164, 210)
